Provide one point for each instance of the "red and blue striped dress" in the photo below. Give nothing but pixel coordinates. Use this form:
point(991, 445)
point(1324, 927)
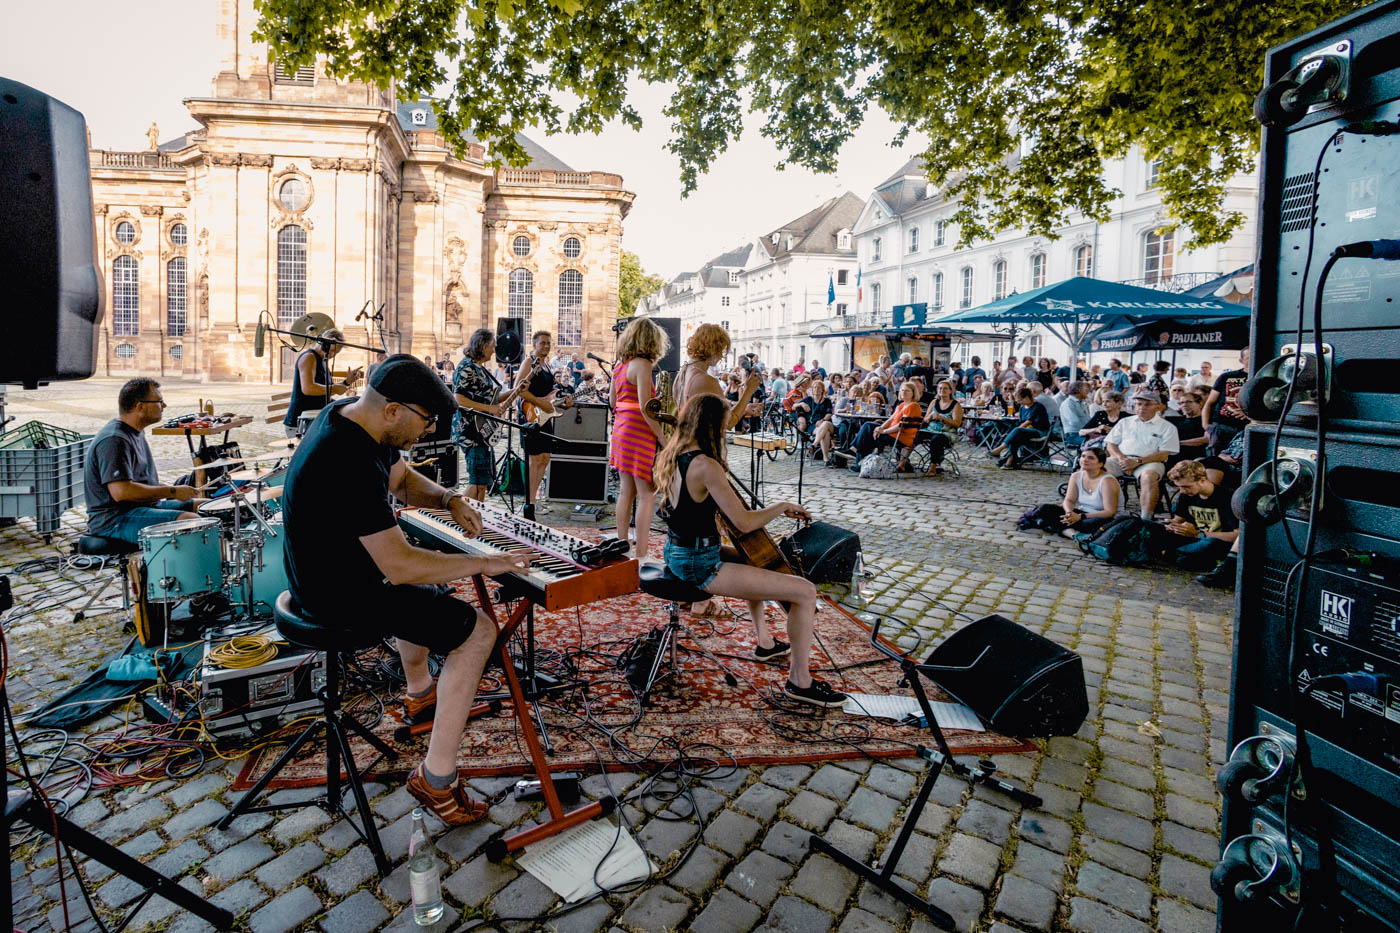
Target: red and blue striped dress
point(633, 444)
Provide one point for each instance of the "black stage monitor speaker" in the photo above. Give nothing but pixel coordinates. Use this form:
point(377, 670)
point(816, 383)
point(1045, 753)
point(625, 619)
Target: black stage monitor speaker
point(1016, 681)
point(510, 340)
point(577, 479)
point(823, 552)
point(48, 251)
point(671, 362)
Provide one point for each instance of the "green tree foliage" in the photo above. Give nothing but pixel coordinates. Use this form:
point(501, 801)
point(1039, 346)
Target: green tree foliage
point(634, 283)
point(1084, 80)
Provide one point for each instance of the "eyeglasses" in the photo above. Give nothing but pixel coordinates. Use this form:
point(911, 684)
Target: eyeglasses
point(430, 419)
point(153, 401)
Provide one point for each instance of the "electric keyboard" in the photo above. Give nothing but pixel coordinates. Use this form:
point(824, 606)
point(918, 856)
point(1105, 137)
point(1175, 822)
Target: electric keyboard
point(564, 571)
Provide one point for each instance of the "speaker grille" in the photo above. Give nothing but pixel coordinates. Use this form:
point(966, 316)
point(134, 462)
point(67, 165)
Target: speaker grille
point(1297, 202)
point(1273, 587)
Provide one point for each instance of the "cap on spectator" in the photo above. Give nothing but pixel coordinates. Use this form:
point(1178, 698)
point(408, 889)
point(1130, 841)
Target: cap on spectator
point(406, 379)
point(1150, 395)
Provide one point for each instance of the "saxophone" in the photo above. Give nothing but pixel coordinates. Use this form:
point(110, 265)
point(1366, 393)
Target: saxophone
point(665, 398)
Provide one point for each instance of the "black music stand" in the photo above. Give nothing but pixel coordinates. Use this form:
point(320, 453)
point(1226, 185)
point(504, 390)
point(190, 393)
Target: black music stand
point(939, 758)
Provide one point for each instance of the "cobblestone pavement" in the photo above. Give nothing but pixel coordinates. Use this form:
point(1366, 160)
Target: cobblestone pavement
point(1123, 843)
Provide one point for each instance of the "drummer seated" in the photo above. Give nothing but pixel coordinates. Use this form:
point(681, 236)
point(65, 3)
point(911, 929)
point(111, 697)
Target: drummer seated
point(123, 492)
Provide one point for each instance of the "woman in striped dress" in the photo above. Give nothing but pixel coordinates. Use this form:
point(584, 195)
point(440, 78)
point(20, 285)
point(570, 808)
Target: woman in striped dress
point(636, 434)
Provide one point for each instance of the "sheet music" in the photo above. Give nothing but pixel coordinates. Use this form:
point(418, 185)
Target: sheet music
point(566, 862)
point(886, 706)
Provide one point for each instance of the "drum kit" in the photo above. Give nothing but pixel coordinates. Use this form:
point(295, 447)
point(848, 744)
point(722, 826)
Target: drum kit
point(234, 548)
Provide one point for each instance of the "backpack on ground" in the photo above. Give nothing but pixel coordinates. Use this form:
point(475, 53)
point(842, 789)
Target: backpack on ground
point(1125, 541)
point(1046, 517)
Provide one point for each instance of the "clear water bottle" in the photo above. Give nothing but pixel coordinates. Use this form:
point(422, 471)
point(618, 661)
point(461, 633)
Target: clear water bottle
point(424, 874)
point(857, 598)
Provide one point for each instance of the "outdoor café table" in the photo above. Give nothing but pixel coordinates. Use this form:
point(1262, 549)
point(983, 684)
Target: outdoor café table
point(990, 426)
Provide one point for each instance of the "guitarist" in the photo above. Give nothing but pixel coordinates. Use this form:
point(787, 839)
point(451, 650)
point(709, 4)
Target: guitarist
point(537, 388)
point(477, 390)
point(691, 469)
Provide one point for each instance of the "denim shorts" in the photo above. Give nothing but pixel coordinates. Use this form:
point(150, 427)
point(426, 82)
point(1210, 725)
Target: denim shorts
point(697, 566)
point(479, 464)
point(128, 525)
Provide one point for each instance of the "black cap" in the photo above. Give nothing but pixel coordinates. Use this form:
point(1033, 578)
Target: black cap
point(405, 378)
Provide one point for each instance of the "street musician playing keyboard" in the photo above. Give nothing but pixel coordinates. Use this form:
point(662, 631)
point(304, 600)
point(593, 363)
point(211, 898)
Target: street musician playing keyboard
point(348, 562)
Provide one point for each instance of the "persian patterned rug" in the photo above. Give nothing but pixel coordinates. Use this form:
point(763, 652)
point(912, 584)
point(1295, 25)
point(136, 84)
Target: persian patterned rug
point(696, 709)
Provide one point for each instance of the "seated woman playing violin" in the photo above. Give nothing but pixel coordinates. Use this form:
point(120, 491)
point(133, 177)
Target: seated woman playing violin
point(691, 468)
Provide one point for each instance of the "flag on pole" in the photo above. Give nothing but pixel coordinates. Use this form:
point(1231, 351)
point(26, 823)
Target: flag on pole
point(860, 292)
point(830, 289)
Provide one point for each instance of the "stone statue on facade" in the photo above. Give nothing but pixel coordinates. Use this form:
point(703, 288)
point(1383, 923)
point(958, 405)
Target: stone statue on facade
point(153, 137)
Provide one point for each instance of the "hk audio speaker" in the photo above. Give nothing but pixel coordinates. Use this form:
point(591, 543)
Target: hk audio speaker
point(510, 340)
point(577, 479)
point(824, 553)
point(1017, 682)
point(671, 362)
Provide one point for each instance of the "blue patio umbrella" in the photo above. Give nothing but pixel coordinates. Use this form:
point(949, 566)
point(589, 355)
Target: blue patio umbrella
point(1074, 308)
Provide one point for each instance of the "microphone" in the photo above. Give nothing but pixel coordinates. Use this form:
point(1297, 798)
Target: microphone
point(598, 359)
point(379, 312)
point(363, 308)
point(259, 339)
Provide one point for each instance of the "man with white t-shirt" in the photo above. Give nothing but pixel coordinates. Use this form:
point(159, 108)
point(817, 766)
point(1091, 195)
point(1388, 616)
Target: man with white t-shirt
point(1141, 446)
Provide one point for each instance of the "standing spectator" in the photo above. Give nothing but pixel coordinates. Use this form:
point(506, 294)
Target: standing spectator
point(1044, 372)
point(779, 385)
point(996, 374)
point(900, 371)
point(1117, 375)
point(1202, 519)
point(816, 367)
point(1202, 379)
point(1092, 496)
point(1034, 425)
point(799, 368)
point(1222, 416)
point(576, 368)
point(1028, 368)
point(973, 371)
point(1074, 412)
point(1157, 382)
point(955, 375)
point(1140, 446)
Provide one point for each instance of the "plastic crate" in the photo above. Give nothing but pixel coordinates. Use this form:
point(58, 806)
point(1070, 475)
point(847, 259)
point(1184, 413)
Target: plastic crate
point(43, 483)
point(35, 435)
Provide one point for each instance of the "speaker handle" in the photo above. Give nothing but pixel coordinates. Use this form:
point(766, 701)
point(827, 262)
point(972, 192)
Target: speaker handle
point(927, 668)
point(891, 653)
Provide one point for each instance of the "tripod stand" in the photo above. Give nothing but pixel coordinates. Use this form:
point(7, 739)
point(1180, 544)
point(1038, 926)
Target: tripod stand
point(939, 758)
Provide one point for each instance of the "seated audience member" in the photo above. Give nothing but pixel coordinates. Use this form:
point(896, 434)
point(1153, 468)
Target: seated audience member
point(1225, 468)
point(983, 394)
point(1141, 445)
point(1044, 399)
point(1092, 497)
point(1174, 396)
point(1202, 521)
point(1223, 576)
point(1074, 412)
point(944, 418)
point(1096, 398)
point(1008, 399)
point(813, 411)
point(890, 432)
point(1191, 434)
point(1029, 433)
point(779, 385)
point(1095, 430)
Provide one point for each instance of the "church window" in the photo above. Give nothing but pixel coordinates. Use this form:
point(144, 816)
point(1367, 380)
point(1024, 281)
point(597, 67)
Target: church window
point(292, 195)
point(175, 296)
point(126, 296)
point(420, 117)
point(572, 248)
point(179, 234)
point(291, 274)
point(520, 246)
point(521, 296)
point(177, 352)
point(126, 350)
point(126, 233)
point(571, 308)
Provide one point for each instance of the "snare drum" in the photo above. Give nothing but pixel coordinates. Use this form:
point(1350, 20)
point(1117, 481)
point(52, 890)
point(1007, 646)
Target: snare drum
point(182, 559)
point(224, 508)
point(269, 570)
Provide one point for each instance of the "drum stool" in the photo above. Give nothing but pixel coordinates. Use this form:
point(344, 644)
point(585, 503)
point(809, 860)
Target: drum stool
point(98, 546)
point(657, 580)
point(305, 630)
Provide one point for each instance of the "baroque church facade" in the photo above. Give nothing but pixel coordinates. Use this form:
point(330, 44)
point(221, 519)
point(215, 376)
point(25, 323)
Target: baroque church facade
point(300, 192)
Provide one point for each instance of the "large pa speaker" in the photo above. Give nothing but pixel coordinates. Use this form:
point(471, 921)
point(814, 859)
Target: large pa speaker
point(48, 252)
point(671, 362)
point(510, 340)
point(1016, 681)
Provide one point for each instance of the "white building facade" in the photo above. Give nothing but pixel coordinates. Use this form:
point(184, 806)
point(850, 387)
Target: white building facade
point(906, 243)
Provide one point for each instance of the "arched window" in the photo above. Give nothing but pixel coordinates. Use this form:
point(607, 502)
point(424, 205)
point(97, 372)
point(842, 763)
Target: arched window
point(179, 234)
point(999, 279)
point(291, 274)
point(1158, 256)
point(571, 308)
point(175, 297)
point(938, 291)
point(572, 248)
point(965, 297)
point(521, 296)
point(1038, 270)
point(126, 233)
point(520, 246)
point(1084, 260)
point(126, 296)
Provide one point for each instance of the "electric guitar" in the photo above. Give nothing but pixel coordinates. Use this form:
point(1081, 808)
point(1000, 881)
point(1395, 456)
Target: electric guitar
point(536, 415)
point(487, 429)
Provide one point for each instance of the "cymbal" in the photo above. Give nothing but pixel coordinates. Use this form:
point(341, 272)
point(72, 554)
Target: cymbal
point(219, 464)
point(250, 475)
point(270, 455)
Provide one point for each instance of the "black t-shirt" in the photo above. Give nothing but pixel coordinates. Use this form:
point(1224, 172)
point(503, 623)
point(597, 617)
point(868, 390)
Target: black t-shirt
point(816, 410)
point(1036, 415)
point(1227, 410)
point(118, 452)
point(1188, 429)
point(920, 372)
point(1208, 513)
point(1100, 419)
point(337, 492)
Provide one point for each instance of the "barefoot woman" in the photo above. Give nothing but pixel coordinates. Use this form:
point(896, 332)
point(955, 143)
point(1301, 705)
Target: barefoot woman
point(691, 469)
point(636, 433)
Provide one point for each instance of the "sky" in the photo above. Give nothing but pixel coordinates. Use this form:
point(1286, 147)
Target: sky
point(125, 71)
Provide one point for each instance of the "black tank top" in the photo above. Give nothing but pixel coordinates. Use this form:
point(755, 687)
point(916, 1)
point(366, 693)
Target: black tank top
point(689, 519)
point(300, 401)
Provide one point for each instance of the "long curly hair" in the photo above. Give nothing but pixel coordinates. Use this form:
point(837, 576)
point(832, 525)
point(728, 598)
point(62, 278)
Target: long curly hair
point(644, 339)
point(701, 424)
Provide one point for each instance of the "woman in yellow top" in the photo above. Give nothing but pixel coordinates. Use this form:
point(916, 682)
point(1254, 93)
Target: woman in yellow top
point(872, 438)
